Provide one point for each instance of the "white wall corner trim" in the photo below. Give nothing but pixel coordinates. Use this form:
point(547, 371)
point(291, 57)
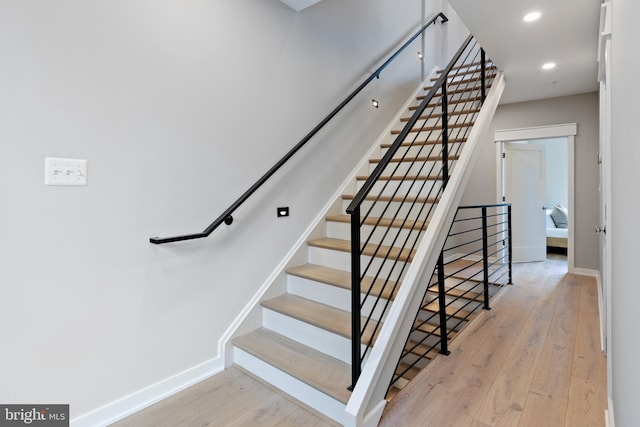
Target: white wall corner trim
point(138, 400)
point(299, 5)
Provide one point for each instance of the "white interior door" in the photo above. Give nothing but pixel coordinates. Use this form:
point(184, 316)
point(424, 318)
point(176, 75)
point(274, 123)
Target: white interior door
point(524, 186)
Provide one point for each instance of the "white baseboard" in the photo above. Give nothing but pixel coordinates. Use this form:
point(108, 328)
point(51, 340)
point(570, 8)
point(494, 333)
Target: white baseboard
point(608, 415)
point(601, 313)
point(134, 402)
point(585, 272)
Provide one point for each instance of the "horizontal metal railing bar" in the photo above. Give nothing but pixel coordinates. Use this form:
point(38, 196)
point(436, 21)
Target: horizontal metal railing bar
point(475, 218)
point(226, 216)
point(450, 248)
point(497, 281)
point(497, 270)
point(464, 256)
point(497, 205)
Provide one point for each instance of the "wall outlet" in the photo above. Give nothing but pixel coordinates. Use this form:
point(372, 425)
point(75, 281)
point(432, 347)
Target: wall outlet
point(65, 171)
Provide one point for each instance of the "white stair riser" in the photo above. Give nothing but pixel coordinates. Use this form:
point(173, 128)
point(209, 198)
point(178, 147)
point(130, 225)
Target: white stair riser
point(312, 336)
point(408, 210)
point(319, 339)
point(332, 295)
point(384, 235)
point(415, 189)
point(342, 261)
point(308, 395)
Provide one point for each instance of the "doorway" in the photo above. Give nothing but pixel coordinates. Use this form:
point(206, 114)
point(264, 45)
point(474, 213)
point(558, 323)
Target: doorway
point(505, 139)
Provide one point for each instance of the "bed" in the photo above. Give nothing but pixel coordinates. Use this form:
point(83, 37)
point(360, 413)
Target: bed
point(557, 231)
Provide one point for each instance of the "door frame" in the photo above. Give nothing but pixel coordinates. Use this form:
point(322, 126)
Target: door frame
point(567, 130)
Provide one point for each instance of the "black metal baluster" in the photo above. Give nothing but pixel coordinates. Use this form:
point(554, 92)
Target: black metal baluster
point(485, 258)
point(510, 245)
point(482, 75)
point(442, 303)
point(355, 297)
point(445, 136)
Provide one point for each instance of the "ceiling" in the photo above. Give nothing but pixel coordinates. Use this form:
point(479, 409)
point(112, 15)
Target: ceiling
point(566, 34)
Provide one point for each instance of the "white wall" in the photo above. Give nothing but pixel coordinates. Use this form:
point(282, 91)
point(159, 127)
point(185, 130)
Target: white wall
point(624, 228)
point(581, 109)
point(178, 107)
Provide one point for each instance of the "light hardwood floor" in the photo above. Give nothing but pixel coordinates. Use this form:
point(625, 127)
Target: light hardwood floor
point(533, 360)
point(231, 398)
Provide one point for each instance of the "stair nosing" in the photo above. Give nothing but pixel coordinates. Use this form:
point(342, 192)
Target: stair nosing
point(279, 303)
point(247, 343)
point(378, 287)
point(369, 250)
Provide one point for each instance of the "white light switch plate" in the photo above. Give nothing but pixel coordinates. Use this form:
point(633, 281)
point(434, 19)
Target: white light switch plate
point(65, 171)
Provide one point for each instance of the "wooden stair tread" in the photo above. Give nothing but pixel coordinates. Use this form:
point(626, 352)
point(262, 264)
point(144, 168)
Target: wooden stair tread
point(324, 373)
point(467, 269)
point(432, 329)
point(342, 279)
point(323, 316)
point(454, 312)
point(393, 391)
point(472, 64)
point(421, 159)
point(437, 127)
point(477, 80)
point(409, 178)
point(397, 199)
point(421, 350)
point(385, 222)
point(459, 293)
point(404, 255)
point(461, 81)
point(455, 91)
point(428, 142)
point(439, 115)
point(410, 373)
point(451, 101)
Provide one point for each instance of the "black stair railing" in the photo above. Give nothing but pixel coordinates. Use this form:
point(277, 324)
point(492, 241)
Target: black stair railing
point(435, 131)
point(227, 216)
point(474, 264)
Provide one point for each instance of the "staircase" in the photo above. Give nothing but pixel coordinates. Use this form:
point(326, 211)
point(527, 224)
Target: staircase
point(304, 344)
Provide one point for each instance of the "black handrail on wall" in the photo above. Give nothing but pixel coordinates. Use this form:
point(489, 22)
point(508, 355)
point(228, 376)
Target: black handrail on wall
point(226, 216)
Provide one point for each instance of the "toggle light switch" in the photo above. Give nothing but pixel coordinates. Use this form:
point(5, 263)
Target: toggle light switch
point(65, 171)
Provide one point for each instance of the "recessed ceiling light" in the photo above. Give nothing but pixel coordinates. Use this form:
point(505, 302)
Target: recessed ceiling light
point(375, 103)
point(549, 66)
point(533, 16)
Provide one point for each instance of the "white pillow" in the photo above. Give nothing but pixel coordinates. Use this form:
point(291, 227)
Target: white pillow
point(560, 216)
